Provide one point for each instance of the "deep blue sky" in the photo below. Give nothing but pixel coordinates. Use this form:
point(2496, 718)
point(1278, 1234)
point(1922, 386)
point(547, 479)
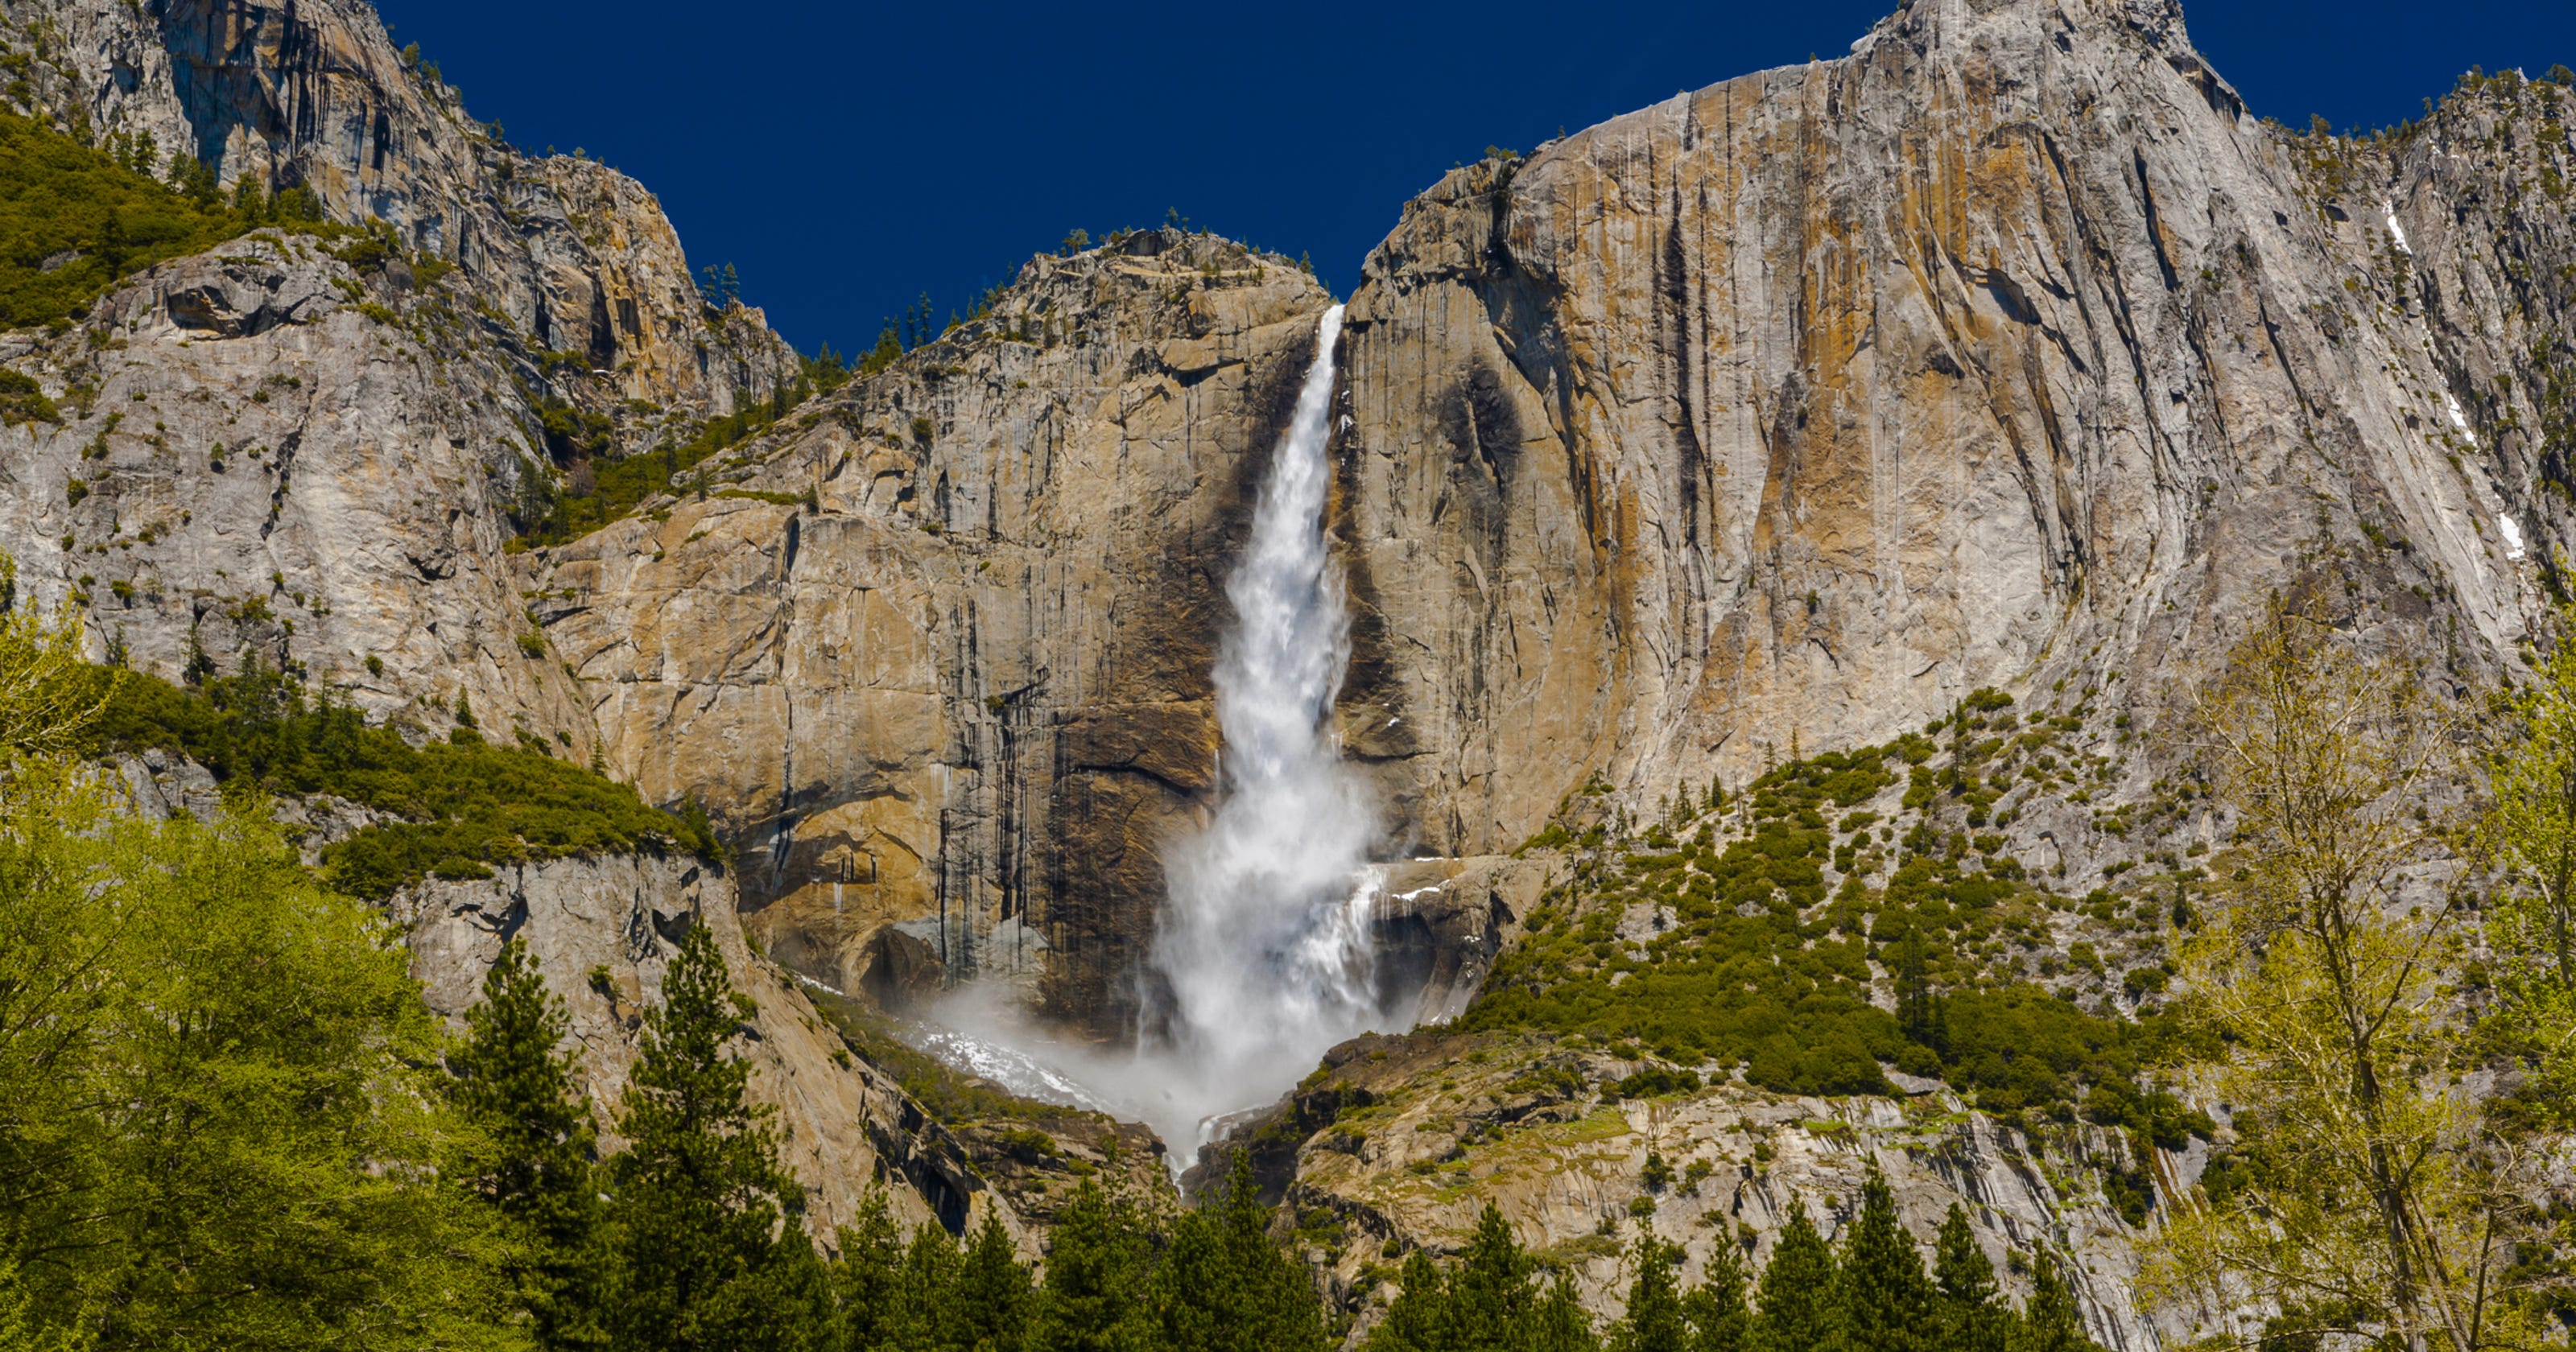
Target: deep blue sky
point(847, 157)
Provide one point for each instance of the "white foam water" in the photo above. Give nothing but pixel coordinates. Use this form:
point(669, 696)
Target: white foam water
point(1265, 945)
point(1263, 952)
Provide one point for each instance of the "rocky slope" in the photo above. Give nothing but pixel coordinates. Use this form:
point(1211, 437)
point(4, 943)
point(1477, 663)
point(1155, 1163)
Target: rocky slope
point(286, 456)
point(577, 257)
point(1411, 1137)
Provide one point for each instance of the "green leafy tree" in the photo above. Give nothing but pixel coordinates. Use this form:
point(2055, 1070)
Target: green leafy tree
point(262, 1122)
point(1225, 1288)
point(1884, 1299)
point(2316, 988)
point(710, 1247)
point(1795, 1299)
point(2531, 831)
point(536, 1147)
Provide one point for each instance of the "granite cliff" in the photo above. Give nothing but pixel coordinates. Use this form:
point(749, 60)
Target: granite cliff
point(2008, 351)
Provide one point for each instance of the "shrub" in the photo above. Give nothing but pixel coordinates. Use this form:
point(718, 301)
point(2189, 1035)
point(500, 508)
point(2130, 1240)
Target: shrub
point(93, 219)
point(453, 808)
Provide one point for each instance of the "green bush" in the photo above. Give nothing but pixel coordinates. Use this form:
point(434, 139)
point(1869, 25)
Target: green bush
point(455, 807)
point(94, 219)
point(1756, 966)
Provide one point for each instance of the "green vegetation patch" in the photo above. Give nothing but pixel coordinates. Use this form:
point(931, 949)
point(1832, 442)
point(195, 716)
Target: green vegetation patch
point(1755, 958)
point(618, 487)
point(458, 806)
point(73, 221)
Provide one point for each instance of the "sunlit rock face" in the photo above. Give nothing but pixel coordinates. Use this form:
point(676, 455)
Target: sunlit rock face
point(2007, 349)
point(967, 692)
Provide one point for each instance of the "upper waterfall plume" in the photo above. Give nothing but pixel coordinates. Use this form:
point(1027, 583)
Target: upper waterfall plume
point(1265, 943)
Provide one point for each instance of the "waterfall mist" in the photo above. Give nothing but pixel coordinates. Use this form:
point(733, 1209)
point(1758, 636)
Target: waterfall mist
point(1265, 946)
point(1263, 952)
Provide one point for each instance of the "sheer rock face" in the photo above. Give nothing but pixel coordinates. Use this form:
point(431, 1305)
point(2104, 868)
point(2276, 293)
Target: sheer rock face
point(967, 689)
point(577, 256)
point(250, 466)
point(2007, 349)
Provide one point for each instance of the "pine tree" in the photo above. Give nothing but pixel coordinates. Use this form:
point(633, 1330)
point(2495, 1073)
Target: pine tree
point(1494, 1296)
point(709, 1237)
point(921, 1313)
point(1797, 1308)
point(993, 1292)
point(1225, 1288)
point(534, 1165)
point(1417, 1320)
point(887, 352)
point(1720, 1321)
point(1921, 1013)
point(2051, 1321)
point(1885, 1301)
point(1972, 1317)
point(1099, 1278)
point(1560, 1323)
point(1654, 1321)
point(866, 1277)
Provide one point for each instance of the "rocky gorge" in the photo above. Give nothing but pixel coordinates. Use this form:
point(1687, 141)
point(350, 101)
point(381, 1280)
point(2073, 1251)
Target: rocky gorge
point(2006, 353)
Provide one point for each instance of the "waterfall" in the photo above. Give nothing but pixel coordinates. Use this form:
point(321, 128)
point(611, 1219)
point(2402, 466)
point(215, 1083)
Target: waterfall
point(1264, 946)
point(1263, 951)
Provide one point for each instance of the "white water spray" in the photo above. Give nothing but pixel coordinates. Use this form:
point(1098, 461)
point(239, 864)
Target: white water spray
point(1265, 945)
point(1264, 950)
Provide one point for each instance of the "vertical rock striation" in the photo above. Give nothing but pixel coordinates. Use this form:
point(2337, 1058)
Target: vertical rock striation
point(962, 686)
point(1783, 414)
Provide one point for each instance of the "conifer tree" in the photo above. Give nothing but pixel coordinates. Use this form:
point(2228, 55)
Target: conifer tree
point(710, 1244)
point(1417, 1320)
point(1654, 1321)
point(866, 1276)
point(1885, 1301)
point(1225, 1288)
point(1494, 1295)
point(534, 1158)
point(1560, 1324)
point(1099, 1278)
point(1972, 1317)
point(1797, 1310)
point(1719, 1318)
point(2051, 1321)
point(887, 352)
point(1921, 1013)
point(993, 1292)
point(922, 1311)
